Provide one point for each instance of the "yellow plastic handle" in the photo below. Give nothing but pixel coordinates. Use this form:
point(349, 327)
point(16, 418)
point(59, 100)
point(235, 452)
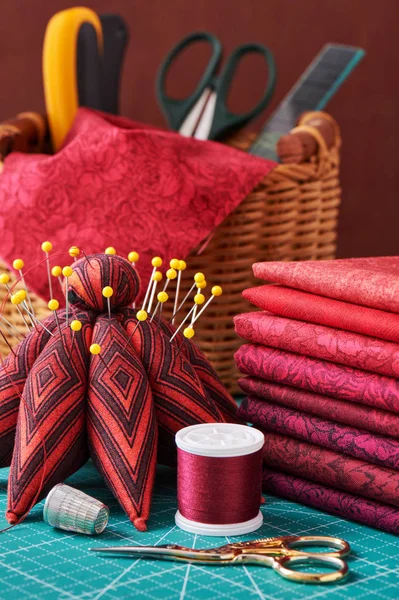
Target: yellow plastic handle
point(59, 67)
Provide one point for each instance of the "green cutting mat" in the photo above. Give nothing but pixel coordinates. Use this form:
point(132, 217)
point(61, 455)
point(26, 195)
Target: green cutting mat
point(39, 562)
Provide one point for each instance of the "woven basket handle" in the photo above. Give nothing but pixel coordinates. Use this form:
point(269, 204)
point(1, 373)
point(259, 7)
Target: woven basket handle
point(25, 133)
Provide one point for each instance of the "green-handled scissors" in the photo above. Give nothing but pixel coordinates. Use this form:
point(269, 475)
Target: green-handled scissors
point(279, 553)
point(204, 114)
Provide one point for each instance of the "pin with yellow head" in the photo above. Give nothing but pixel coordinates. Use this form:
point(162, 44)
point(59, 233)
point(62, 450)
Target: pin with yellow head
point(47, 248)
point(110, 250)
point(108, 292)
point(170, 274)
point(56, 271)
point(199, 301)
point(67, 272)
point(74, 252)
point(5, 280)
point(181, 266)
point(156, 263)
point(18, 265)
point(95, 350)
point(54, 305)
point(133, 258)
point(156, 278)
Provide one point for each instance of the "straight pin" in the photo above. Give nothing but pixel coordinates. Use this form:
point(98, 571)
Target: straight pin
point(157, 278)
point(67, 272)
point(54, 306)
point(74, 252)
point(16, 300)
point(18, 265)
point(140, 316)
point(182, 265)
point(95, 350)
point(4, 279)
point(57, 272)
point(47, 248)
point(25, 306)
point(12, 327)
point(133, 257)
point(108, 293)
point(170, 275)
point(156, 262)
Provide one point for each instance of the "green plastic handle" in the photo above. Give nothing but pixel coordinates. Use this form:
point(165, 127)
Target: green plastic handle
point(176, 110)
point(224, 121)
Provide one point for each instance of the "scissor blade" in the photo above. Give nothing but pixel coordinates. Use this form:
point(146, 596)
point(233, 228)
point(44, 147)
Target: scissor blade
point(164, 553)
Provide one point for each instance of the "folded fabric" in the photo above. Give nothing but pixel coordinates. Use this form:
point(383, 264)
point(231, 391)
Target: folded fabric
point(153, 191)
point(372, 282)
point(313, 308)
point(319, 376)
point(348, 413)
point(322, 497)
point(318, 341)
point(341, 438)
point(331, 468)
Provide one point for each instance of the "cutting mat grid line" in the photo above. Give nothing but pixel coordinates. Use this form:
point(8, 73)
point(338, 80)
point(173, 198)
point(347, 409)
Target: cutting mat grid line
point(37, 562)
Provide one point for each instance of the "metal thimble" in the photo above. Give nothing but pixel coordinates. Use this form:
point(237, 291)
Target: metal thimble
point(73, 510)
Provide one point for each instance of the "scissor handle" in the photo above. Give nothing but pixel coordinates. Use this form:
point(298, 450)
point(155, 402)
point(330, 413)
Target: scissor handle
point(225, 120)
point(282, 566)
point(339, 547)
point(175, 110)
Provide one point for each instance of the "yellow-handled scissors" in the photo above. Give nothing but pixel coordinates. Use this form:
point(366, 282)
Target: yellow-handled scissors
point(279, 553)
point(60, 70)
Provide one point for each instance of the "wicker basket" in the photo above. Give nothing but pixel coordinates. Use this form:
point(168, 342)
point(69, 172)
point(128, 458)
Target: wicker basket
point(291, 215)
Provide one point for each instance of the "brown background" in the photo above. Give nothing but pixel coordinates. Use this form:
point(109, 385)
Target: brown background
point(365, 108)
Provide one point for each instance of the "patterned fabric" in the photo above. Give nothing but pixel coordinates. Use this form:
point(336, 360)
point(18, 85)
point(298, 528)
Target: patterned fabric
point(50, 441)
point(348, 413)
point(91, 275)
point(331, 468)
point(151, 190)
point(178, 394)
point(115, 400)
point(319, 376)
point(372, 282)
point(321, 342)
point(211, 383)
point(347, 440)
point(312, 308)
point(121, 424)
point(13, 373)
point(322, 497)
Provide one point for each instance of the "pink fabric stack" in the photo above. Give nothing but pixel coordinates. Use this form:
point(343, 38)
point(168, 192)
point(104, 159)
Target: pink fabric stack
point(322, 369)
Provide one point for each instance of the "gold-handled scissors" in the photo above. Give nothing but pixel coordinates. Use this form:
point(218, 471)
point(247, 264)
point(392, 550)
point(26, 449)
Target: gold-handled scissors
point(279, 553)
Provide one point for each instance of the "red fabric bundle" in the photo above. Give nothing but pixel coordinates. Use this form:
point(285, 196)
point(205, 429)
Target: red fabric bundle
point(342, 504)
point(153, 191)
point(319, 376)
point(321, 342)
point(313, 308)
point(347, 440)
point(372, 282)
point(324, 466)
point(340, 411)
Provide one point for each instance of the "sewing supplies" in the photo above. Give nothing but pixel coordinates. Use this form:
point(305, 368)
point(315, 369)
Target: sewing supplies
point(219, 474)
point(47, 247)
point(204, 115)
point(279, 553)
point(74, 252)
point(198, 299)
point(316, 86)
point(18, 264)
point(72, 510)
point(60, 65)
point(67, 272)
point(99, 74)
point(156, 278)
point(71, 370)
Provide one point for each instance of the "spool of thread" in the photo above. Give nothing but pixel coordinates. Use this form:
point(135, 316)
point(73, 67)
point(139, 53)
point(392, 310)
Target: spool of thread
point(73, 510)
point(219, 479)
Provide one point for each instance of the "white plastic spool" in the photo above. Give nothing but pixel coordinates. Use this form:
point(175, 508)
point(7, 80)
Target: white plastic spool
point(221, 440)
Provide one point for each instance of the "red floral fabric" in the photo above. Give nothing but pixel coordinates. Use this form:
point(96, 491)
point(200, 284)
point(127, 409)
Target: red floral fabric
point(324, 466)
point(323, 497)
point(314, 308)
point(319, 376)
point(119, 182)
point(372, 282)
point(318, 341)
point(332, 409)
point(347, 440)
